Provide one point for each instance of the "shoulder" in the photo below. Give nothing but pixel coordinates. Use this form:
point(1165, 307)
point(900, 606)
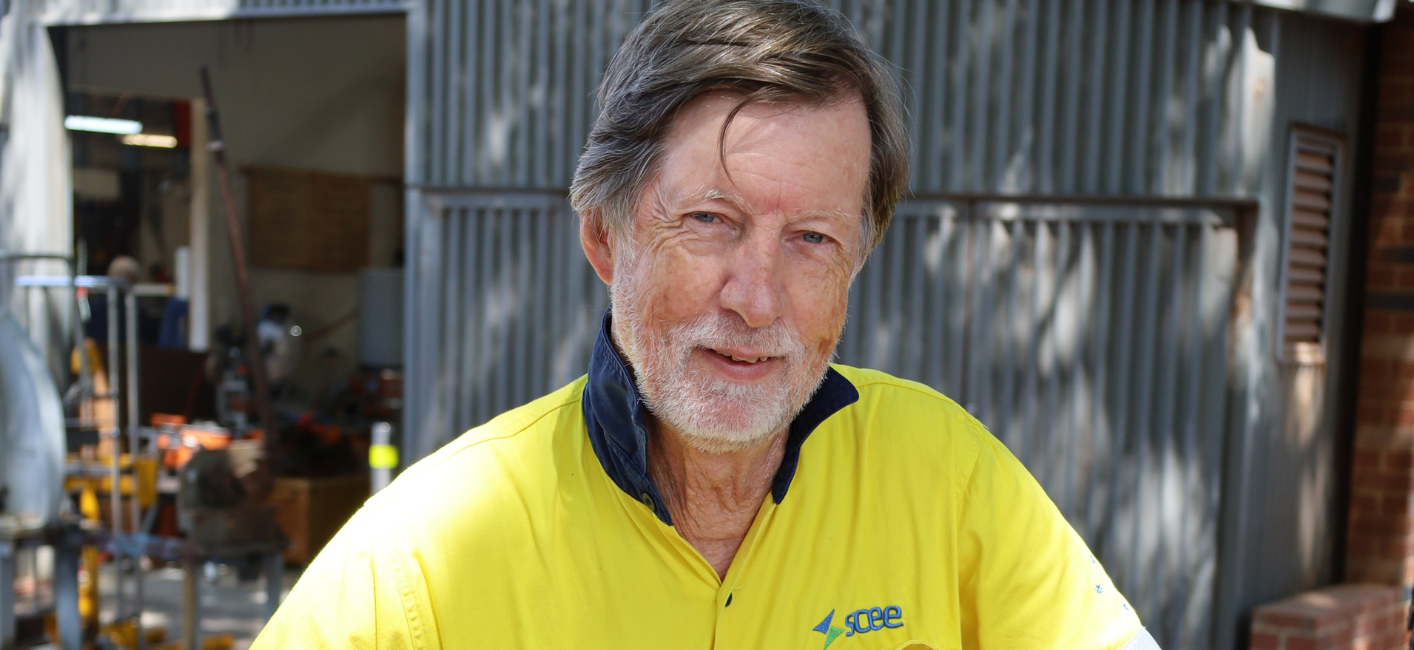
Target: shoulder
point(917, 423)
point(915, 412)
point(525, 427)
point(489, 478)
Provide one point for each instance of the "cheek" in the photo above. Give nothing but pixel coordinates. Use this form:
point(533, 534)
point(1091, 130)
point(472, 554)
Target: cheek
point(681, 286)
point(819, 304)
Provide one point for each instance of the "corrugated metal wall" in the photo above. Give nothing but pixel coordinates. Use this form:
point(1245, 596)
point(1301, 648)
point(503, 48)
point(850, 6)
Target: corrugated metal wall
point(1092, 340)
point(1130, 98)
point(1139, 98)
point(89, 12)
point(1097, 338)
point(1055, 97)
point(507, 309)
point(1284, 516)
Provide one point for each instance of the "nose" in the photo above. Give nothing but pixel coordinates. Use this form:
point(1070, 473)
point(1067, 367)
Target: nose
point(754, 288)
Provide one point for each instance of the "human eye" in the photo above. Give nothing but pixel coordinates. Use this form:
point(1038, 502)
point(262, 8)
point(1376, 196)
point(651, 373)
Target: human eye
point(705, 217)
point(813, 238)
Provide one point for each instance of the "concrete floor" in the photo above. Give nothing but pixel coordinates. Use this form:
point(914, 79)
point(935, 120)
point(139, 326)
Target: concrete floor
point(228, 606)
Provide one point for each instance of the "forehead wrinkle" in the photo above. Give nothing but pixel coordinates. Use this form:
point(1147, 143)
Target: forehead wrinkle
point(706, 193)
point(709, 193)
point(829, 214)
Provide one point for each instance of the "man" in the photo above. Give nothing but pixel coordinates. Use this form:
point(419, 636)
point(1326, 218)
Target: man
point(713, 482)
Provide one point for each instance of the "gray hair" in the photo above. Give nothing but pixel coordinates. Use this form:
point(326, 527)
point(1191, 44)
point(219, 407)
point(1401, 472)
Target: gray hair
point(787, 51)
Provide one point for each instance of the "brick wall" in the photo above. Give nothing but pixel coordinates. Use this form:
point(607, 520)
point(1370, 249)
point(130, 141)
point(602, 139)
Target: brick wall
point(1380, 543)
point(1381, 528)
point(1344, 617)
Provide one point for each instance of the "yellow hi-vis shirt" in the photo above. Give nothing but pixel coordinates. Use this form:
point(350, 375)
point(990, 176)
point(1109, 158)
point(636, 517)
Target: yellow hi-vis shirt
point(906, 525)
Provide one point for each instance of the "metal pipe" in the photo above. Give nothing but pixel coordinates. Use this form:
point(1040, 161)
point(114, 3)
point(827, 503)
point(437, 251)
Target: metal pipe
point(85, 383)
point(274, 574)
point(191, 603)
point(85, 373)
point(216, 145)
point(7, 593)
point(115, 496)
point(66, 591)
point(130, 307)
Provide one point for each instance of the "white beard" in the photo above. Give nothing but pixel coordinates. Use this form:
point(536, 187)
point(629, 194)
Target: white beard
point(711, 413)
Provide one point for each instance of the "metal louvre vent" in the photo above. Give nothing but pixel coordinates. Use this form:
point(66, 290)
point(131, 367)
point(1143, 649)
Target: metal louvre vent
point(1314, 158)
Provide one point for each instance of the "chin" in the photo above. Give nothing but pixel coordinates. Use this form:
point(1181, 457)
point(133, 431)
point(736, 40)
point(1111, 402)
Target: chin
point(723, 416)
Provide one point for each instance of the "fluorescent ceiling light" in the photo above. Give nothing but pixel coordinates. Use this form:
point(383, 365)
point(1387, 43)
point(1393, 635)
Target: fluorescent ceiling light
point(101, 124)
point(150, 140)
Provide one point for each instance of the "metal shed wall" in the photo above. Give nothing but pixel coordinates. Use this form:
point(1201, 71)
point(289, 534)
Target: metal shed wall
point(93, 12)
point(1138, 98)
point(1127, 97)
point(1283, 518)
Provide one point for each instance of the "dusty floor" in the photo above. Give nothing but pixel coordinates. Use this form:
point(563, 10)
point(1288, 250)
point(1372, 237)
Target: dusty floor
point(228, 606)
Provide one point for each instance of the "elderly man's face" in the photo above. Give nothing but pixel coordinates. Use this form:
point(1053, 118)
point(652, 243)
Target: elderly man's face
point(731, 297)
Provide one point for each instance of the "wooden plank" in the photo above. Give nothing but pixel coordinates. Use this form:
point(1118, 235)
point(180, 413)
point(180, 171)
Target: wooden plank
point(1308, 257)
point(1310, 201)
point(1302, 331)
point(1299, 312)
point(1309, 238)
point(309, 220)
point(1310, 219)
point(1303, 293)
point(1312, 181)
point(1298, 274)
point(1313, 162)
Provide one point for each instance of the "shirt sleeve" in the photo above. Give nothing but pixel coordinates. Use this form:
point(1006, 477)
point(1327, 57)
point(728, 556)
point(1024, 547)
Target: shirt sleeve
point(357, 593)
point(1026, 579)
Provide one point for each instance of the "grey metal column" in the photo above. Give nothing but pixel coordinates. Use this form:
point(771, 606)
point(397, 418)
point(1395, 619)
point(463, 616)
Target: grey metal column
point(7, 594)
point(191, 602)
point(115, 494)
point(67, 551)
point(274, 578)
point(131, 343)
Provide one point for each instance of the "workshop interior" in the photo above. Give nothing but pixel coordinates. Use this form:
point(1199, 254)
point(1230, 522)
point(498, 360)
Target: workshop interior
point(232, 342)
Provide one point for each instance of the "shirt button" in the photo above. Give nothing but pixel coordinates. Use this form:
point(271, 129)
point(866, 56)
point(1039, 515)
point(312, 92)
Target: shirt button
point(647, 500)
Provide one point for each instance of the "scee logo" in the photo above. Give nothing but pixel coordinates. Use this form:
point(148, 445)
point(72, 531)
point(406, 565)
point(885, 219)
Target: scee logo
point(860, 621)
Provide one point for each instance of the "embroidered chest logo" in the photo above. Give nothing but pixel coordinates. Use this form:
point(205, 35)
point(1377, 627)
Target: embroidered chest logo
point(860, 621)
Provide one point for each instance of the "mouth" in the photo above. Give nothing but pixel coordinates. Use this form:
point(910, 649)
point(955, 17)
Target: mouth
point(742, 358)
point(742, 366)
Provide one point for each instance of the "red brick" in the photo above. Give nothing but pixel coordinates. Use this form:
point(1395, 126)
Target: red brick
point(1383, 525)
point(1380, 279)
point(1400, 473)
point(1375, 368)
point(1282, 617)
point(1403, 371)
point(1387, 234)
point(1373, 415)
point(1264, 641)
point(1377, 323)
point(1381, 393)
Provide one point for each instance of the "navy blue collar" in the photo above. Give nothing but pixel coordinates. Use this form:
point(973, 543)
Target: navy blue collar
point(617, 422)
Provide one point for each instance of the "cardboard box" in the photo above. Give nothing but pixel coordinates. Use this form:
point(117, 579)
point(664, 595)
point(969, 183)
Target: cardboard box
point(311, 510)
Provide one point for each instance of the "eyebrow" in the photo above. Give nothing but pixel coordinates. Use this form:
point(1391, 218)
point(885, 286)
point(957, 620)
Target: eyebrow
point(705, 193)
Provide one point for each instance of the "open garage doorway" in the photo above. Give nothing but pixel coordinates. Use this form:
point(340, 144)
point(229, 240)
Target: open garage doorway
point(312, 111)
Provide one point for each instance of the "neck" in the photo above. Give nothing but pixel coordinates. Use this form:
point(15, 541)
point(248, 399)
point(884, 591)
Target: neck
point(712, 497)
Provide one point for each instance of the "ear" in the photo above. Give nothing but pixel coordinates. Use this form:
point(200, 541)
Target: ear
point(594, 237)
